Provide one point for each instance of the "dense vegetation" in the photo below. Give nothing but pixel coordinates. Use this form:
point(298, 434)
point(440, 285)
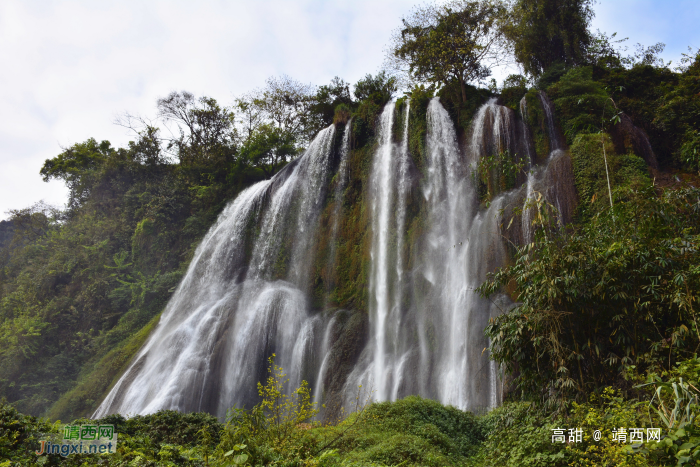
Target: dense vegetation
point(604, 333)
point(81, 289)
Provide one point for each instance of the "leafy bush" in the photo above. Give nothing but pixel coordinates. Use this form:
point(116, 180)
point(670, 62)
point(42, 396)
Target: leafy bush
point(497, 173)
point(616, 295)
point(519, 434)
point(411, 431)
point(590, 174)
point(580, 102)
point(514, 88)
point(20, 434)
point(272, 430)
point(448, 427)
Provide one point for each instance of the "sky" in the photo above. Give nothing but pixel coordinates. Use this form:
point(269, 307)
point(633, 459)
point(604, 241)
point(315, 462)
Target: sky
point(70, 68)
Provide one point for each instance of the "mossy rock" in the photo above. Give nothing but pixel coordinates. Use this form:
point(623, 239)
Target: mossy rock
point(590, 175)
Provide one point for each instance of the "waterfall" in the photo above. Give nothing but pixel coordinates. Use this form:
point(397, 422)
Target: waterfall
point(249, 291)
point(341, 184)
point(401, 194)
point(383, 191)
point(325, 348)
point(382, 363)
point(450, 200)
point(237, 304)
point(554, 140)
point(435, 346)
point(527, 209)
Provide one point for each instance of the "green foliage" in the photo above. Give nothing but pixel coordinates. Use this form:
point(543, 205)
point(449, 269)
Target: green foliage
point(607, 412)
point(690, 151)
point(342, 114)
point(618, 295)
point(417, 125)
point(20, 434)
point(519, 434)
point(497, 173)
point(78, 287)
point(207, 131)
point(379, 88)
point(96, 379)
point(514, 88)
point(455, 430)
point(330, 97)
point(412, 431)
point(462, 110)
point(439, 44)
point(682, 445)
point(284, 412)
point(551, 75)
point(589, 171)
point(546, 32)
point(272, 429)
point(269, 148)
point(76, 167)
point(579, 102)
point(537, 123)
point(372, 92)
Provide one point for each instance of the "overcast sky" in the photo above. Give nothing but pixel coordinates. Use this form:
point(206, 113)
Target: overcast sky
point(70, 67)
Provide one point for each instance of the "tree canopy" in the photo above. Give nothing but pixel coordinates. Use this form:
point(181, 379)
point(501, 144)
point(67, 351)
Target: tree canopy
point(456, 41)
point(542, 33)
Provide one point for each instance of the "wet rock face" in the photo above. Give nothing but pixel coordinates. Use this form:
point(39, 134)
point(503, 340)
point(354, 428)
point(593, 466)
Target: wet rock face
point(629, 138)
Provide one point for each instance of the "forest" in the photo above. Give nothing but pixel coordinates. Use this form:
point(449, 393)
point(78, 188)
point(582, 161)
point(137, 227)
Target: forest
point(603, 333)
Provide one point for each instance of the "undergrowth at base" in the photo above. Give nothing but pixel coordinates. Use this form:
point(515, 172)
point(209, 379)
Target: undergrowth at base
point(280, 431)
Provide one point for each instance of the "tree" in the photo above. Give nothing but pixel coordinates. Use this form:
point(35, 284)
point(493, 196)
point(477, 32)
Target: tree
point(379, 88)
point(76, 166)
point(268, 148)
point(147, 149)
point(545, 32)
point(250, 114)
point(206, 130)
point(284, 103)
point(328, 98)
point(456, 41)
point(30, 224)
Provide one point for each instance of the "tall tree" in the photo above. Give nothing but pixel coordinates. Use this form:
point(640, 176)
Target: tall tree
point(545, 32)
point(284, 103)
point(77, 167)
point(457, 41)
point(328, 97)
point(206, 130)
point(268, 148)
point(379, 88)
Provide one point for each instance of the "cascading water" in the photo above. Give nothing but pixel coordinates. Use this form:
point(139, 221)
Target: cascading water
point(549, 115)
point(233, 309)
point(382, 186)
point(341, 184)
point(432, 241)
point(462, 245)
point(527, 210)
